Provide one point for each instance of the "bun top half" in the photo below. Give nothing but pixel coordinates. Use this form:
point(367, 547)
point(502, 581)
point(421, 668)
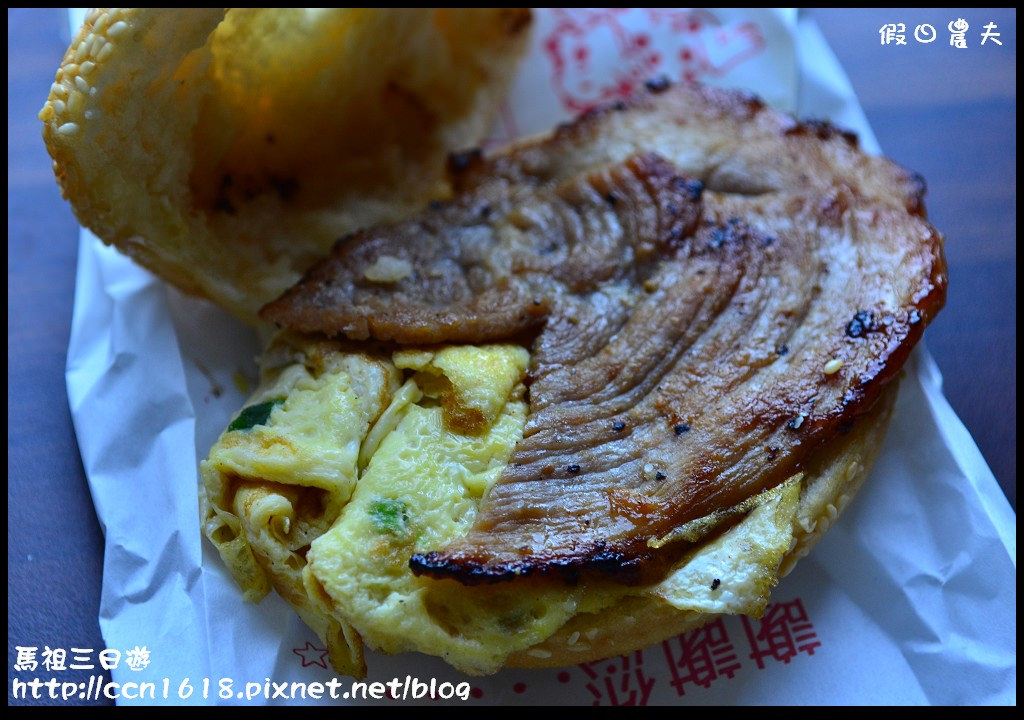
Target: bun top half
point(226, 150)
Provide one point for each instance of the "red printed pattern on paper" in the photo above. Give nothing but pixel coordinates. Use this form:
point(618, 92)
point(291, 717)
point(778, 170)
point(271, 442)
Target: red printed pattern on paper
point(781, 633)
point(310, 654)
point(678, 44)
point(701, 656)
point(618, 681)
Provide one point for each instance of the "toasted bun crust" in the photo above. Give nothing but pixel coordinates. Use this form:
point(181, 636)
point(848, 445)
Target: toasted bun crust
point(227, 150)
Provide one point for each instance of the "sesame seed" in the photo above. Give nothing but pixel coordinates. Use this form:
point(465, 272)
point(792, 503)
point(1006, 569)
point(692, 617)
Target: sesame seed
point(832, 366)
point(75, 102)
point(68, 129)
point(101, 23)
point(117, 29)
point(538, 653)
point(104, 52)
point(82, 51)
point(87, 67)
point(574, 638)
point(58, 90)
point(58, 107)
point(81, 84)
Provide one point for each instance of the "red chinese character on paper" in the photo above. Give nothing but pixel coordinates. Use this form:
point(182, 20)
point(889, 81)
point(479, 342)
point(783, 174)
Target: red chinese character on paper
point(701, 656)
point(619, 681)
point(784, 631)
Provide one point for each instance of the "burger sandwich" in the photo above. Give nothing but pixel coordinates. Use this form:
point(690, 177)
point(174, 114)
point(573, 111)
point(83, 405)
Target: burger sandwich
point(529, 407)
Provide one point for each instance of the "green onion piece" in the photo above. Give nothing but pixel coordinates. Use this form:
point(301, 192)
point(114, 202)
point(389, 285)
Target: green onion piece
point(254, 415)
point(389, 516)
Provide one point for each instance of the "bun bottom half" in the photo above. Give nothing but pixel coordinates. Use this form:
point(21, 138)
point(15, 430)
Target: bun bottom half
point(271, 525)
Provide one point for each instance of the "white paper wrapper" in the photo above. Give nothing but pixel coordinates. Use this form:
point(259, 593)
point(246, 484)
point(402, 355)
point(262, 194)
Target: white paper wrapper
point(910, 599)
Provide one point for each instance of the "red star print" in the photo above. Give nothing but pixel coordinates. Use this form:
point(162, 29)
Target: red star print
point(312, 655)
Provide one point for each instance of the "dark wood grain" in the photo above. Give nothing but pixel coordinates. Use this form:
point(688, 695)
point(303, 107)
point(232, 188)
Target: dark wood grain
point(54, 544)
point(949, 114)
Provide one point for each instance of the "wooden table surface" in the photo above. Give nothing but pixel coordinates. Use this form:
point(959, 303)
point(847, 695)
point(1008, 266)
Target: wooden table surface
point(947, 113)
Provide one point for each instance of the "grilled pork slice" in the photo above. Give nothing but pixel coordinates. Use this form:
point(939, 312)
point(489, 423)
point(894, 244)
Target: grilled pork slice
point(499, 260)
point(693, 348)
